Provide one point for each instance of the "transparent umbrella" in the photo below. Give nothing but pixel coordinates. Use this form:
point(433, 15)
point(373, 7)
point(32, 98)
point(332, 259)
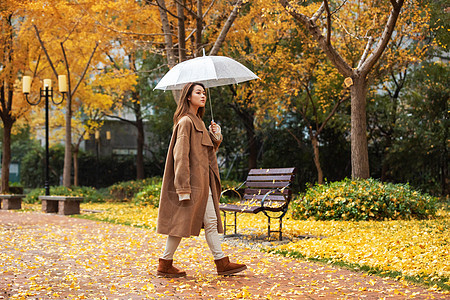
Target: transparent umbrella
point(210, 70)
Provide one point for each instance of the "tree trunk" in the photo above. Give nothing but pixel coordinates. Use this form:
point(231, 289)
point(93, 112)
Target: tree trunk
point(315, 144)
point(248, 118)
point(359, 149)
point(6, 158)
point(68, 144)
point(140, 173)
point(171, 60)
point(75, 166)
point(253, 148)
point(181, 32)
point(198, 33)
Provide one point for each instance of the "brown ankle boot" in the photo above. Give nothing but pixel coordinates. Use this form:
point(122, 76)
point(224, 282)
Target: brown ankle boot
point(225, 267)
point(165, 269)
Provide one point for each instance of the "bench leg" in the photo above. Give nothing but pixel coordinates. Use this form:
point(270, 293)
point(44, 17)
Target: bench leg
point(49, 206)
point(235, 222)
point(68, 207)
point(15, 203)
point(225, 225)
point(279, 229)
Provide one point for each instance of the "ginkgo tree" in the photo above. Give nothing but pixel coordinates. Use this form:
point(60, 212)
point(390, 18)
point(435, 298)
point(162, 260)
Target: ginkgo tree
point(355, 36)
point(71, 42)
point(13, 61)
point(293, 76)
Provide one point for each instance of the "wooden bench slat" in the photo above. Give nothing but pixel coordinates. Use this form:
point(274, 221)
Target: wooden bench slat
point(272, 171)
point(270, 185)
point(264, 191)
point(241, 208)
point(270, 197)
point(285, 178)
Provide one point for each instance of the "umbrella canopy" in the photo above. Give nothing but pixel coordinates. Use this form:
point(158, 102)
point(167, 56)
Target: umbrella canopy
point(209, 70)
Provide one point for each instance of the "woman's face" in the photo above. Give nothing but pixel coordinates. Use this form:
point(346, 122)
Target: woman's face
point(197, 98)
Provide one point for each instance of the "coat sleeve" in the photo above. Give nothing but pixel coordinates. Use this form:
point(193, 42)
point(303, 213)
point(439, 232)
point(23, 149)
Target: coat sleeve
point(181, 157)
point(216, 138)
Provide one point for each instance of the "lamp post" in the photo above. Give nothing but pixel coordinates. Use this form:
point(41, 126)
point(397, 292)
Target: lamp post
point(47, 94)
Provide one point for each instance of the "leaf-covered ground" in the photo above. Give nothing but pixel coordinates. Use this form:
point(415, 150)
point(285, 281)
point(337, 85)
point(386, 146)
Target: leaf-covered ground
point(47, 256)
point(412, 248)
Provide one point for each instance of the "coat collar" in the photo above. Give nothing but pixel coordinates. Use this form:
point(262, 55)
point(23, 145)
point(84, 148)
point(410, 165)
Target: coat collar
point(200, 126)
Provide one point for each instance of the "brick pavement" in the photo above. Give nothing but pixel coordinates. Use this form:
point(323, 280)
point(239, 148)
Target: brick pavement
point(46, 256)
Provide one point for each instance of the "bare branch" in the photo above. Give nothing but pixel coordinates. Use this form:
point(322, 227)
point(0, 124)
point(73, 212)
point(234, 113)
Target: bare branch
point(190, 11)
point(37, 65)
point(318, 13)
point(45, 51)
point(66, 62)
point(385, 37)
point(327, 8)
point(343, 67)
point(121, 119)
point(208, 9)
point(339, 7)
point(162, 6)
point(366, 52)
point(299, 142)
point(233, 15)
point(85, 69)
point(111, 59)
point(330, 115)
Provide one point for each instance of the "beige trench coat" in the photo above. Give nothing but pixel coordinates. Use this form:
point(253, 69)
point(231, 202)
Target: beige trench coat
point(191, 168)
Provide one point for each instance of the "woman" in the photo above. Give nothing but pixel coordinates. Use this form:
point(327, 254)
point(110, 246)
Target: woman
point(191, 184)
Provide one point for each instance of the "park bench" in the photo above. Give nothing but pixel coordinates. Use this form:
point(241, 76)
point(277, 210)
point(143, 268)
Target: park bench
point(11, 201)
point(63, 205)
point(265, 190)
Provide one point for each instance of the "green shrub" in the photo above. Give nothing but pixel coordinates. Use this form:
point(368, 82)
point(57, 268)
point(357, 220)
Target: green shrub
point(126, 191)
point(89, 194)
point(149, 195)
point(367, 199)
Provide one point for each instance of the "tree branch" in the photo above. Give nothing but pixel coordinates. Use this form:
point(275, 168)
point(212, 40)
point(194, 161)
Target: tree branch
point(366, 52)
point(162, 6)
point(299, 142)
point(122, 119)
point(385, 37)
point(330, 115)
point(233, 15)
point(85, 69)
point(327, 8)
point(318, 13)
point(67, 69)
point(45, 51)
point(190, 11)
point(111, 59)
point(208, 9)
point(343, 67)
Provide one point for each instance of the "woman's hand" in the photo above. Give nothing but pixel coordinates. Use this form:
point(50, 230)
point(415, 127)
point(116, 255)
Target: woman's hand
point(214, 127)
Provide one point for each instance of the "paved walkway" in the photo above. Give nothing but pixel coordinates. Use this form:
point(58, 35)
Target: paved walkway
point(45, 256)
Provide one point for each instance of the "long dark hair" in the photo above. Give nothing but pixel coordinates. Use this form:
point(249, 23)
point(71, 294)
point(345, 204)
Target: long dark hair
point(183, 103)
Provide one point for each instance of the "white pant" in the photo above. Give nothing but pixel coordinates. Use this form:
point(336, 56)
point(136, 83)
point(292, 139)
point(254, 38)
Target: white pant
point(211, 234)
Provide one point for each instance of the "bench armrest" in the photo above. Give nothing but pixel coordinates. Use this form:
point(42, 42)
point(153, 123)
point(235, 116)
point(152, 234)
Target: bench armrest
point(233, 189)
point(272, 191)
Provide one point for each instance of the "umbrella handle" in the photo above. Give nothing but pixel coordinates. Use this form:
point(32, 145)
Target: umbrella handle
point(210, 105)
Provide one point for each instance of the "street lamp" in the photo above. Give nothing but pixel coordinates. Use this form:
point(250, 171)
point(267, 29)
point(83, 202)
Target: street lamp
point(47, 93)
